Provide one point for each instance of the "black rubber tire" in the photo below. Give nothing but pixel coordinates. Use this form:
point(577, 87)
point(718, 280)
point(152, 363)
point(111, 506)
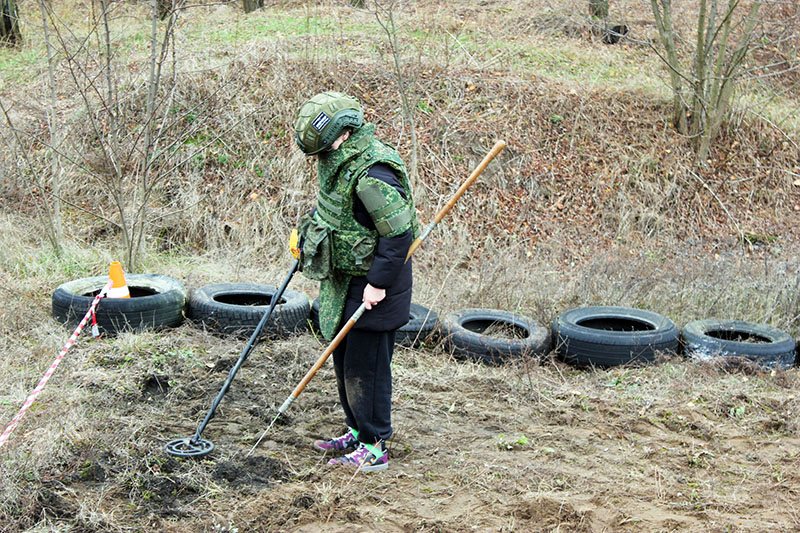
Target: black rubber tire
point(156, 301)
point(313, 317)
point(611, 336)
point(418, 329)
point(237, 308)
point(463, 332)
point(710, 339)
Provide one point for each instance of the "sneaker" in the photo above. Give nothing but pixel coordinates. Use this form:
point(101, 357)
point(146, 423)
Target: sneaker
point(348, 440)
point(367, 457)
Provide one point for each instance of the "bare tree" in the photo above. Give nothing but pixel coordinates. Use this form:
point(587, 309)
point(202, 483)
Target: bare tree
point(56, 168)
point(704, 80)
point(385, 14)
point(121, 163)
point(118, 135)
point(10, 34)
point(29, 169)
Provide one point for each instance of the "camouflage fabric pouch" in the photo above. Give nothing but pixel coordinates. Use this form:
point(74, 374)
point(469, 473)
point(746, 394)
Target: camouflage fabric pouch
point(315, 257)
point(353, 251)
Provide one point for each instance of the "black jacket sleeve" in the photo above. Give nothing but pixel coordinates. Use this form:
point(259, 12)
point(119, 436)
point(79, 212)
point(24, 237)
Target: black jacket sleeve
point(390, 254)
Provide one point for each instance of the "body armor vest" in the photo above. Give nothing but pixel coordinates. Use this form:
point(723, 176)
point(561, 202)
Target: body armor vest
point(336, 247)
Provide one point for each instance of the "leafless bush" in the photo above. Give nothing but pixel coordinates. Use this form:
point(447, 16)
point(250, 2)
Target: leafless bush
point(136, 127)
point(734, 43)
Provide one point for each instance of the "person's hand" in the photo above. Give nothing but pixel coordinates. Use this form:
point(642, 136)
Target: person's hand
point(373, 295)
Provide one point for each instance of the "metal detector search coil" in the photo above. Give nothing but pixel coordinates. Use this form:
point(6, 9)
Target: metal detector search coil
point(189, 447)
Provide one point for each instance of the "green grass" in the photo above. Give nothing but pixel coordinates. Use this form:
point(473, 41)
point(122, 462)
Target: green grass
point(268, 25)
point(566, 60)
point(20, 66)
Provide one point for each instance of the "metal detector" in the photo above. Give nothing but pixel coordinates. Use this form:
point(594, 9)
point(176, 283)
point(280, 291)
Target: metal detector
point(195, 446)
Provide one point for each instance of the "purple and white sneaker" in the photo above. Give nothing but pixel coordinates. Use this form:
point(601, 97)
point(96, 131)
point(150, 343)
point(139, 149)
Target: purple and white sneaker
point(366, 457)
point(348, 440)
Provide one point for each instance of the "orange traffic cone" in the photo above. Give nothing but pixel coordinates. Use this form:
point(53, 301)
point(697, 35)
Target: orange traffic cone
point(119, 289)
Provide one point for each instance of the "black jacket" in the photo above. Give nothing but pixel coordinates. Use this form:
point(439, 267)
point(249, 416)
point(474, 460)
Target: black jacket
point(388, 271)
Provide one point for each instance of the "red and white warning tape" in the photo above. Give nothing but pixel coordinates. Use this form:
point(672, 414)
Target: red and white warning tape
point(46, 377)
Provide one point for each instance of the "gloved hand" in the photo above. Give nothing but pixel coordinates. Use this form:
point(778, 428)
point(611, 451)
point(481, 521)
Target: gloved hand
point(295, 246)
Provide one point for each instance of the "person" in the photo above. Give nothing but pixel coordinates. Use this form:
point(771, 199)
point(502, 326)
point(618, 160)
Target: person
point(355, 243)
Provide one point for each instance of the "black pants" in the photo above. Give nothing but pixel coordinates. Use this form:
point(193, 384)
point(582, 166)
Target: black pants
point(364, 379)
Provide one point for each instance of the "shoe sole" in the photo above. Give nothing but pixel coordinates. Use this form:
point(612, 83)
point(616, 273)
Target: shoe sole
point(369, 468)
point(375, 468)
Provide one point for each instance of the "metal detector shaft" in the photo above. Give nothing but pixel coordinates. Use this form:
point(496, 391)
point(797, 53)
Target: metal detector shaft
point(498, 146)
point(245, 353)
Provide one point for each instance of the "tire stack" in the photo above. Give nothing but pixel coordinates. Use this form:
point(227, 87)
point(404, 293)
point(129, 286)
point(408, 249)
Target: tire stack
point(612, 336)
point(156, 302)
point(493, 336)
point(736, 341)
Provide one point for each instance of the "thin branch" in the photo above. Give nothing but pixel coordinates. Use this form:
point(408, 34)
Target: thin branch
point(44, 214)
point(408, 110)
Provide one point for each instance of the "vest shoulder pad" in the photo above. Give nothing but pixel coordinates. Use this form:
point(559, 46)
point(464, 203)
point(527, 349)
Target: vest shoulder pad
point(390, 212)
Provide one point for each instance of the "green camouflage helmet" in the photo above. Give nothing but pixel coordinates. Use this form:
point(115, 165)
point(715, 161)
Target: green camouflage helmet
point(322, 120)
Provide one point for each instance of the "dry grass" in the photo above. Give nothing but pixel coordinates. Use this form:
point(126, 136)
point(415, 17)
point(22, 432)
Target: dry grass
point(593, 202)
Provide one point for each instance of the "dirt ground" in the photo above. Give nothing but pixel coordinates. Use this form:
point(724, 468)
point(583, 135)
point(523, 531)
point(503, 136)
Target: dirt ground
point(530, 446)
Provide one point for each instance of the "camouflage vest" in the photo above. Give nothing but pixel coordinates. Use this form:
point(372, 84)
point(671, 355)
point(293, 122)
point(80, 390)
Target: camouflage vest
point(350, 247)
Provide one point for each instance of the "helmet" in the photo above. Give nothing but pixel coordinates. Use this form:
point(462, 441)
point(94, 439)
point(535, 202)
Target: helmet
point(321, 120)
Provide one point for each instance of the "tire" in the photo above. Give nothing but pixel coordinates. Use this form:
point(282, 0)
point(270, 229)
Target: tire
point(464, 334)
point(612, 336)
point(766, 346)
point(237, 308)
point(419, 328)
point(156, 301)
point(313, 317)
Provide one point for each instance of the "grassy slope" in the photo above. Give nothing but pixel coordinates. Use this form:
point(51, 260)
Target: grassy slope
point(592, 203)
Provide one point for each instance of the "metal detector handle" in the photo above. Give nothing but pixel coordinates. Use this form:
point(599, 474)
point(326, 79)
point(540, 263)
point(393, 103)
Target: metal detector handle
point(245, 353)
point(496, 149)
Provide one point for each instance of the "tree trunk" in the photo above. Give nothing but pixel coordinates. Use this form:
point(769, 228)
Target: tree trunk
point(56, 136)
point(598, 8)
point(252, 5)
point(9, 23)
point(703, 89)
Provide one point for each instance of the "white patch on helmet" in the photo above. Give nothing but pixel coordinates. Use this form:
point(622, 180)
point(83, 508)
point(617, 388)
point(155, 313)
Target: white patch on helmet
point(321, 121)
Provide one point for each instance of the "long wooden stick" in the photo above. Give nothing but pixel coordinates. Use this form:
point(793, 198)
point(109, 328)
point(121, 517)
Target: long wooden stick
point(496, 149)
